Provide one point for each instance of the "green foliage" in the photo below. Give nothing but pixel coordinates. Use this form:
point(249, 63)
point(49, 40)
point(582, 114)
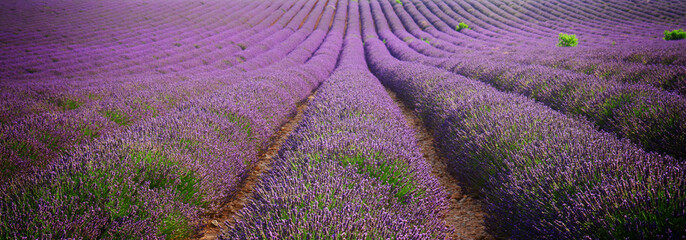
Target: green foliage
point(7, 168)
point(89, 133)
point(68, 104)
point(675, 34)
point(175, 226)
point(150, 167)
point(612, 103)
point(399, 2)
point(394, 173)
point(50, 141)
point(567, 40)
point(242, 122)
point(189, 144)
point(461, 26)
point(117, 117)
point(664, 217)
point(23, 149)
point(177, 44)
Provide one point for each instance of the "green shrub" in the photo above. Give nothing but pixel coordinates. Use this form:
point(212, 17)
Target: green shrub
point(675, 34)
point(461, 26)
point(567, 40)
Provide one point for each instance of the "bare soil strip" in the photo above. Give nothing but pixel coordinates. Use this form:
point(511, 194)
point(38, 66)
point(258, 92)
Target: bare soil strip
point(212, 229)
point(464, 215)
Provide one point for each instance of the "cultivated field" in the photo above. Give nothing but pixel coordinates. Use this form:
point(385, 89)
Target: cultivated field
point(342, 119)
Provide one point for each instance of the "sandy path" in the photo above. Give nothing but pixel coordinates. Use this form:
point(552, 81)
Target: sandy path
point(212, 223)
point(464, 215)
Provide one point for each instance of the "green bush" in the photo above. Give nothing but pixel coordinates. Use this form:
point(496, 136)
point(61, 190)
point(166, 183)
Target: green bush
point(461, 26)
point(675, 34)
point(567, 40)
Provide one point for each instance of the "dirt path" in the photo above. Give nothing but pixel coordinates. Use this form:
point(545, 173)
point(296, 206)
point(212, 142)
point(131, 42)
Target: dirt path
point(464, 215)
point(212, 228)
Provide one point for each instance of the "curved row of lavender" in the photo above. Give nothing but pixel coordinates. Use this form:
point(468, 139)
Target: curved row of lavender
point(663, 76)
point(59, 92)
point(648, 116)
point(97, 106)
point(154, 177)
point(350, 170)
point(74, 115)
point(441, 17)
point(542, 174)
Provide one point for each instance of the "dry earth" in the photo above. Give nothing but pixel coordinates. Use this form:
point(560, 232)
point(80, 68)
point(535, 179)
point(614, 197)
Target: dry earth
point(212, 222)
point(465, 215)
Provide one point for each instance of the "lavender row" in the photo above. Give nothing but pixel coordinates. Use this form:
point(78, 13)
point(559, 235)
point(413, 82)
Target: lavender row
point(47, 85)
point(22, 99)
point(643, 114)
point(157, 42)
point(35, 140)
point(671, 78)
point(351, 169)
point(543, 175)
point(169, 160)
point(155, 178)
point(525, 33)
point(532, 41)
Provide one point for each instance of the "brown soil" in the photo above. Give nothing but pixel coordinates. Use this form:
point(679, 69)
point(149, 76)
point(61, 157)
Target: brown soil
point(213, 222)
point(464, 215)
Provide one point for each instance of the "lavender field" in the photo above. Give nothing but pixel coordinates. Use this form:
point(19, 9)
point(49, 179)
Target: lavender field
point(342, 119)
